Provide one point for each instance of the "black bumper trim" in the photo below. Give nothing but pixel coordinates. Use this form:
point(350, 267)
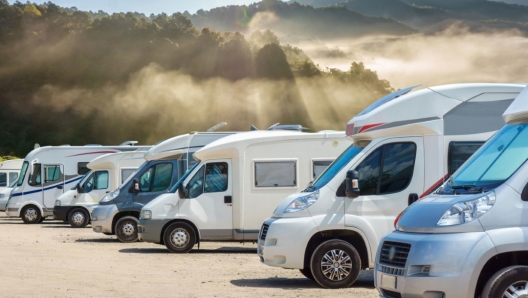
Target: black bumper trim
point(61, 212)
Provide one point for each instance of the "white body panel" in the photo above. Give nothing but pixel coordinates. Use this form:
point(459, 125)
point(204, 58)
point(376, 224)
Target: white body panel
point(9, 170)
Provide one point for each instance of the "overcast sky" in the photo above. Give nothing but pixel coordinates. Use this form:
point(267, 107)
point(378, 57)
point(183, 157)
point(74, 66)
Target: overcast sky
point(145, 6)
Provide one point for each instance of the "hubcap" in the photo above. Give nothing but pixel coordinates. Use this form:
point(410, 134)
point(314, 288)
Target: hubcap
point(128, 229)
point(30, 214)
point(78, 218)
point(180, 237)
point(518, 289)
point(336, 265)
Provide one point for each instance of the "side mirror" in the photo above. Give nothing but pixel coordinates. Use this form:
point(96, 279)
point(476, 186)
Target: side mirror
point(79, 188)
point(182, 192)
point(134, 188)
point(352, 184)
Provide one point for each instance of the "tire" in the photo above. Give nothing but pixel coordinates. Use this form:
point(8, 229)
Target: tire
point(31, 215)
point(502, 282)
point(126, 229)
point(179, 237)
point(335, 264)
point(78, 218)
point(42, 219)
point(307, 272)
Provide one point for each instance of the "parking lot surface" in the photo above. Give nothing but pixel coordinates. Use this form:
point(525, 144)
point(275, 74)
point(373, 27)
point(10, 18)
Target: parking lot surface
point(53, 260)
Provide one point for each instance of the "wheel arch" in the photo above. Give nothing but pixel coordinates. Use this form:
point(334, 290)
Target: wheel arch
point(75, 208)
point(122, 214)
point(196, 230)
point(30, 203)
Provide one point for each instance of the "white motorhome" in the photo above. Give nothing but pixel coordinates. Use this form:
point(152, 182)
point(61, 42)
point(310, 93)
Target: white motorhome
point(9, 170)
point(107, 173)
point(236, 184)
point(468, 239)
point(405, 145)
point(46, 172)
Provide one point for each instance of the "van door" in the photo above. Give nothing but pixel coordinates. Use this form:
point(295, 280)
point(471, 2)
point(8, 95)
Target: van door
point(153, 182)
point(209, 205)
point(95, 187)
point(388, 174)
point(53, 184)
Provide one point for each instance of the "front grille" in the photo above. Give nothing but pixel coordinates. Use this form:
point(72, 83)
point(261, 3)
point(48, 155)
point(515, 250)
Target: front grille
point(392, 270)
point(264, 231)
point(390, 294)
point(394, 253)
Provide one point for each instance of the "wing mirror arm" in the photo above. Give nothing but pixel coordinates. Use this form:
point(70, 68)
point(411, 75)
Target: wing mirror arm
point(79, 188)
point(183, 193)
point(352, 184)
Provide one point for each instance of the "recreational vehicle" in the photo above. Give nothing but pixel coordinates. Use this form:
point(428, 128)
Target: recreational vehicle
point(4, 195)
point(107, 172)
point(46, 172)
point(235, 184)
point(468, 239)
point(405, 145)
point(9, 170)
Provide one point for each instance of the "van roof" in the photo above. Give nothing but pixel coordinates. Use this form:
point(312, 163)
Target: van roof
point(518, 110)
point(108, 161)
point(456, 109)
point(232, 145)
point(71, 150)
point(12, 164)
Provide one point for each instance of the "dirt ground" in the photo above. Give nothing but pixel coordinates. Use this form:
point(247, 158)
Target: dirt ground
point(53, 260)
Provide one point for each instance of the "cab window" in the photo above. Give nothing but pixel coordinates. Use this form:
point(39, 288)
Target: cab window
point(52, 173)
point(216, 177)
point(88, 184)
point(101, 180)
point(156, 178)
point(3, 179)
point(368, 171)
point(34, 179)
point(195, 186)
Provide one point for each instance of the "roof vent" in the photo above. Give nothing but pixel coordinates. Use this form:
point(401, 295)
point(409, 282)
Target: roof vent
point(128, 143)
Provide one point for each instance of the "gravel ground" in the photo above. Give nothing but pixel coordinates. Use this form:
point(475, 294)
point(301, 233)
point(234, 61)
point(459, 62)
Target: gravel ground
point(53, 260)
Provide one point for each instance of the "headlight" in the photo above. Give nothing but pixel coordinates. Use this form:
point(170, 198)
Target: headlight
point(110, 196)
point(463, 212)
point(146, 214)
point(57, 202)
point(302, 203)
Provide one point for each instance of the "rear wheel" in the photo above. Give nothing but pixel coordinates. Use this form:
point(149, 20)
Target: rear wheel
point(78, 218)
point(31, 215)
point(509, 282)
point(335, 264)
point(126, 229)
point(179, 237)
point(307, 272)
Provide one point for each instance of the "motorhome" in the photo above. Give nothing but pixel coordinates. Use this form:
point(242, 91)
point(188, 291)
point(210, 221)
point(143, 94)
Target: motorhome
point(405, 145)
point(235, 184)
point(118, 211)
point(107, 172)
point(9, 170)
point(47, 171)
point(468, 239)
point(4, 195)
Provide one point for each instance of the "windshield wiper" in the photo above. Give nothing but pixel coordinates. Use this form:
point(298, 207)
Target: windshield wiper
point(465, 186)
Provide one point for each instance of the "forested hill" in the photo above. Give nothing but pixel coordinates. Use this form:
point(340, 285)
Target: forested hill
point(298, 20)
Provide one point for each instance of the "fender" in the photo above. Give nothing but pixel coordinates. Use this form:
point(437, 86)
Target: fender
point(179, 218)
point(30, 203)
point(364, 228)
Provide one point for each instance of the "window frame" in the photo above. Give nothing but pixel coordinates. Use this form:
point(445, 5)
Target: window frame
point(46, 167)
point(107, 181)
point(275, 160)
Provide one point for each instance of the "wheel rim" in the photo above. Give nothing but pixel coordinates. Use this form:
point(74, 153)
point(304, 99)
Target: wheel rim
point(78, 218)
point(518, 289)
point(30, 214)
point(180, 237)
point(128, 229)
point(336, 265)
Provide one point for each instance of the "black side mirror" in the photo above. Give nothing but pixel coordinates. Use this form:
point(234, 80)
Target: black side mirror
point(79, 189)
point(134, 188)
point(182, 192)
point(352, 184)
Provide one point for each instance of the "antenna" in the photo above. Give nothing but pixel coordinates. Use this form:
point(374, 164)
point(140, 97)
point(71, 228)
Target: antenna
point(214, 128)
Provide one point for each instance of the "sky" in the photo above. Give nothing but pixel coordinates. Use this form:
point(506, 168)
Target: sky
point(145, 6)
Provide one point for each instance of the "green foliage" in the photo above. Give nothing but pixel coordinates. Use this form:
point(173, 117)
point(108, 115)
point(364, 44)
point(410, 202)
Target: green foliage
point(362, 77)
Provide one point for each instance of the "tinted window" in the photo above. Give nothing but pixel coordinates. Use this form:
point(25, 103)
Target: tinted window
point(162, 177)
point(216, 177)
point(368, 171)
point(275, 174)
point(459, 152)
point(319, 166)
point(3, 179)
point(82, 169)
point(89, 183)
point(35, 178)
point(125, 173)
point(23, 171)
point(13, 177)
point(52, 173)
point(195, 186)
point(145, 180)
point(101, 180)
point(398, 167)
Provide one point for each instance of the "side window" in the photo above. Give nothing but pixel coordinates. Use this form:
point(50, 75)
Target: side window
point(216, 177)
point(34, 179)
point(3, 179)
point(162, 177)
point(275, 174)
point(196, 184)
point(82, 168)
point(458, 153)
point(89, 184)
point(101, 180)
point(12, 177)
point(398, 167)
point(368, 171)
point(125, 173)
point(319, 166)
point(145, 180)
point(52, 173)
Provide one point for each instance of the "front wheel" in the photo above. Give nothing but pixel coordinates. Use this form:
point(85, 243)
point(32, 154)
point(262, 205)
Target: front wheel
point(509, 282)
point(31, 215)
point(335, 264)
point(179, 237)
point(78, 218)
point(126, 229)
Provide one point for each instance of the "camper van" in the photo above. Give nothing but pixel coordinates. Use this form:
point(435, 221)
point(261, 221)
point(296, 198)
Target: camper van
point(118, 211)
point(468, 239)
point(107, 172)
point(47, 172)
point(4, 195)
point(405, 145)
point(9, 170)
point(235, 184)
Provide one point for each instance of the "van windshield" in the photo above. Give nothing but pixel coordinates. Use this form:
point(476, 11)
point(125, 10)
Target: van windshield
point(189, 171)
point(492, 164)
point(82, 180)
point(23, 171)
point(334, 168)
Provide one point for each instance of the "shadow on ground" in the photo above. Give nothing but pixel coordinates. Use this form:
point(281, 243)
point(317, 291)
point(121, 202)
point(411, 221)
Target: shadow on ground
point(99, 240)
point(222, 250)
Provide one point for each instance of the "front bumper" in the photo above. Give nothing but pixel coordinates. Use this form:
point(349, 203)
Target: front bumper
point(102, 218)
point(455, 261)
point(3, 203)
point(61, 212)
point(12, 211)
point(150, 230)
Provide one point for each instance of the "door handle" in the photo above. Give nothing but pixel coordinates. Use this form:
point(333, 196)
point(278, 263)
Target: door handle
point(228, 199)
point(60, 187)
point(412, 198)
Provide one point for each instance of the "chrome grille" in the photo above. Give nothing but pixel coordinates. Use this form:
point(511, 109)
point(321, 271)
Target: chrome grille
point(392, 270)
point(264, 231)
point(394, 253)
